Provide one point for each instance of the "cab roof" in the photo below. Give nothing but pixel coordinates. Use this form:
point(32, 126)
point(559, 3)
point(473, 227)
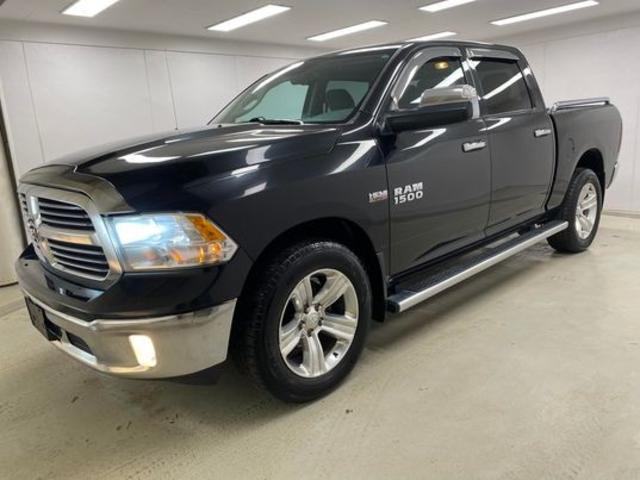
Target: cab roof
point(414, 44)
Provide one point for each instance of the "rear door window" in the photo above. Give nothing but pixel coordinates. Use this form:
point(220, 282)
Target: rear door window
point(503, 86)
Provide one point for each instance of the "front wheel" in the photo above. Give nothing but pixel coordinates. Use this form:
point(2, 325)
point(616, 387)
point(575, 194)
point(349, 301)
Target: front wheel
point(305, 323)
point(582, 208)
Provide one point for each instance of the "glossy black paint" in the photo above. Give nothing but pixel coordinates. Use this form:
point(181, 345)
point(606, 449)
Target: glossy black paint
point(520, 181)
point(260, 182)
point(521, 165)
point(429, 117)
point(135, 295)
point(457, 192)
point(579, 131)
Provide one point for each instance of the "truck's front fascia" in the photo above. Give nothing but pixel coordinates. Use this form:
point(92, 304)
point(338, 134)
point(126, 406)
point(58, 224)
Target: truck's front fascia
point(161, 324)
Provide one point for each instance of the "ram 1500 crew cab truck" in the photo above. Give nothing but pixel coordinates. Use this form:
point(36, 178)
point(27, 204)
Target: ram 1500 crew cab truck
point(332, 192)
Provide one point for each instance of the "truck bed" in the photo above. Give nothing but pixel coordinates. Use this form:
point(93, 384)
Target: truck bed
point(584, 127)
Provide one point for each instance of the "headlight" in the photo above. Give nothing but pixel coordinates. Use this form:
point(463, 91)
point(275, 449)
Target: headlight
point(160, 241)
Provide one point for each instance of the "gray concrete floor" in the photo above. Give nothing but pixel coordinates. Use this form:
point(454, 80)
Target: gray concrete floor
point(529, 371)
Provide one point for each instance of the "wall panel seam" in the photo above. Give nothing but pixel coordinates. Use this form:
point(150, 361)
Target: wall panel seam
point(173, 99)
point(199, 52)
point(149, 96)
point(33, 102)
point(635, 181)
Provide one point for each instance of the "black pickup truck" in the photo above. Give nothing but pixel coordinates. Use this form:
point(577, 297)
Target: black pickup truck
point(333, 192)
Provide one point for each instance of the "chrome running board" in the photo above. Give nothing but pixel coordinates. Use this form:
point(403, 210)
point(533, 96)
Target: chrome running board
point(410, 295)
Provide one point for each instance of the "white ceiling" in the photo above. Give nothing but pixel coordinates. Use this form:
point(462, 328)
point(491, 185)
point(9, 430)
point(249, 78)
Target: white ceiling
point(309, 17)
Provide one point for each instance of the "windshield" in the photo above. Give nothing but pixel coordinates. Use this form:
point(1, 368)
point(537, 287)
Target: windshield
point(321, 90)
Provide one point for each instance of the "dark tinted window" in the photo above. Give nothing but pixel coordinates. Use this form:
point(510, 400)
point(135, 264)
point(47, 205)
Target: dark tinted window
point(439, 72)
point(503, 86)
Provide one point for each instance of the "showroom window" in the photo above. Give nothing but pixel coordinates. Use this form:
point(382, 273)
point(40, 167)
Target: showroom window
point(503, 86)
point(438, 72)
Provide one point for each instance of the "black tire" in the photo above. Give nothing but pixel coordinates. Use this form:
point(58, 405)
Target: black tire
point(256, 340)
point(570, 240)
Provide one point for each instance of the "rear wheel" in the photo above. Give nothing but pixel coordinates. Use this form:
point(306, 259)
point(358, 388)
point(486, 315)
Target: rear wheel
point(304, 325)
point(582, 208)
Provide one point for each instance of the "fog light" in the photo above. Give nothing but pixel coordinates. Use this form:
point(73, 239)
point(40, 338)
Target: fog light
point(144, 350)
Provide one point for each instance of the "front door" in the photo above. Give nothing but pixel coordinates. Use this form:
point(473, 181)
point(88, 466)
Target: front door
point(439, 178)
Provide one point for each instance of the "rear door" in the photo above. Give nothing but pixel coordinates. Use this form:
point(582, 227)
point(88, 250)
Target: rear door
point(520, 135)
point(439, 178)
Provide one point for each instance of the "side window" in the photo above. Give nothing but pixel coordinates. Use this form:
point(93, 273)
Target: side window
point(440, 72)
point(503, 86)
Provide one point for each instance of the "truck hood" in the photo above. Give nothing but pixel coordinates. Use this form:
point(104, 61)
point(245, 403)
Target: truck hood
point(216, 150)
point(185, 170)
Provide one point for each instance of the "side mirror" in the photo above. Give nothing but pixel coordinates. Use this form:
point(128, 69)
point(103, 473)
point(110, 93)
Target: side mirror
point(437, 107)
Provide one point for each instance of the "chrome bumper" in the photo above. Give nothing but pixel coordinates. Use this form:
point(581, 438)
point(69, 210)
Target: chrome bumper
point(183, 344)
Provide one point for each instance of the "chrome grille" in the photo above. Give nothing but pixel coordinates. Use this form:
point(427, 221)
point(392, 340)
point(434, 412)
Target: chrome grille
point(68, 233)
point(23, 204)
point(63, 215)
point(29, 221)
point(78, 258)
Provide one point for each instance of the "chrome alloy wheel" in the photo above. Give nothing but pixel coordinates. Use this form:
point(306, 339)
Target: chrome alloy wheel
point(587, 211)
point(319, 323)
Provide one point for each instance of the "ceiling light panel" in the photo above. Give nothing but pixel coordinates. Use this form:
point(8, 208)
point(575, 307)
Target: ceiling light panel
point(249, 18)
point(437, 7)
point(347, 31)
point(546, 13)
point(88, 8)
point(433, 36)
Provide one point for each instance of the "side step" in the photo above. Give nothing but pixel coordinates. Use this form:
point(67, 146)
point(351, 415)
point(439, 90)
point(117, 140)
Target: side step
point(412, 294)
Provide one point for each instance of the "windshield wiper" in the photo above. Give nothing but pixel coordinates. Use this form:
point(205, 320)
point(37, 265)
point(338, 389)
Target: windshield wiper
point(275, 121)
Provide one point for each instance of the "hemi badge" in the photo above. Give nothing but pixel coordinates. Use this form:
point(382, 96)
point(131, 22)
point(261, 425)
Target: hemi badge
point(380, 196)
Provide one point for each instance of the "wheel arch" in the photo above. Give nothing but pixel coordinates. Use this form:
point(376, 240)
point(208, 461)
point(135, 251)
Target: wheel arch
point(594, 160)
point(340, 230)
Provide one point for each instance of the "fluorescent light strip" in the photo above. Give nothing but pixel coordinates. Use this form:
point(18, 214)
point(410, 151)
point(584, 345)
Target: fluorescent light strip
point(347, 31)
point(248, 18)
point(436, 7)
point(88, 8)
point(546, 13)
point(433, 36)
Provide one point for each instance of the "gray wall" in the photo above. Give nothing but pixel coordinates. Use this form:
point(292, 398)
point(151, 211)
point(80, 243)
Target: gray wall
point(68, 88)
point(65, 89)
point(10, 237)
point(595, 59)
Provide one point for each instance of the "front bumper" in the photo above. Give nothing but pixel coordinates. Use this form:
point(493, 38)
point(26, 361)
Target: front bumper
point(183, 343)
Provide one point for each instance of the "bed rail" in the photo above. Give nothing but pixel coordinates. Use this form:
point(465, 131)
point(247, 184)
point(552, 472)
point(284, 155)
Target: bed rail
point(587, 102)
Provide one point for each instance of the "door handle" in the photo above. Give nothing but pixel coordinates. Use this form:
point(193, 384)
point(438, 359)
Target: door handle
point(542, 132)
point(474, 146)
